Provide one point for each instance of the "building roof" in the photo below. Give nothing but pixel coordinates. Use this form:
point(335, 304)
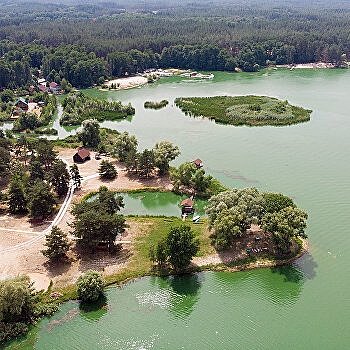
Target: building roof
point(42, 88)
point(22, 100)
point(53, 85)
point(198, 162)
point(83, 153)
point(188, 202)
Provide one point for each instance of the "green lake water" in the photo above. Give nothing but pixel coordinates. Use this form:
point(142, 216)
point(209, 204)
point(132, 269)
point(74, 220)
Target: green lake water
point(156, 204)
point(304, 306)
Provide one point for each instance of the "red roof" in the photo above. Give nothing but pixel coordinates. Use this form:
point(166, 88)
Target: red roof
point(42, 88)
point(198, 162)
point(187, 202)
point(83, 153)
point(53, 85)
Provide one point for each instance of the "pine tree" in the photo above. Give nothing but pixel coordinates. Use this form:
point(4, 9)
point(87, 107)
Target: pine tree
point(107, 170)
point(57, 244)
point(75, 175)
point(17, 199)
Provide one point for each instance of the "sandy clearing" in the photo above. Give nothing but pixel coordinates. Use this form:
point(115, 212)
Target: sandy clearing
point(29, 259)
point(127, 83)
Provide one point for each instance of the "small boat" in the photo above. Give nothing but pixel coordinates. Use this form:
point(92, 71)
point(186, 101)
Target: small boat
point(196, 218)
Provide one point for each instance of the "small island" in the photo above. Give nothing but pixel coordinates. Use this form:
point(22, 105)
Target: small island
point(156, 105)
point(244, 110)
point(78, 107)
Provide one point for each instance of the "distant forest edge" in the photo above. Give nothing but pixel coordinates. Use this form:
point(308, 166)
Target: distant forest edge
point(86, 43)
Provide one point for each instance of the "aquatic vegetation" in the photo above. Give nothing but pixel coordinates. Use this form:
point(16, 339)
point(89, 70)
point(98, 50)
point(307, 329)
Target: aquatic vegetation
point(156, 105)
point(244, 110)
point(78, 107)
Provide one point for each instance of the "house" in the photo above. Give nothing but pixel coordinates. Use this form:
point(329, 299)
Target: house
point(82, 155)
point(54, 88)
point(21, 104)
point(43, 88)
point(42, 81)
point(198, 163)
point(187, 206)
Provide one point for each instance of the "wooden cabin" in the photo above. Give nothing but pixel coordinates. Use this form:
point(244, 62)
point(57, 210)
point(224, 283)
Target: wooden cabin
point(198, 163)
point(82, 155)
point(187, 206)
point(21, 104)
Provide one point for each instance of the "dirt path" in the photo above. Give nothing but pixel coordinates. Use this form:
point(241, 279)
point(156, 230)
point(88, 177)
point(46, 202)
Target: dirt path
point(21, 241)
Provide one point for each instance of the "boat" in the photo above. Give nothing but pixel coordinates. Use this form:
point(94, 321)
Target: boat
point(196, 218)
point(196, 75)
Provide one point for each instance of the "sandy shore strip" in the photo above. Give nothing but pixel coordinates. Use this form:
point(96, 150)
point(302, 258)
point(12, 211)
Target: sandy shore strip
point(315, 65)
point(126, 83)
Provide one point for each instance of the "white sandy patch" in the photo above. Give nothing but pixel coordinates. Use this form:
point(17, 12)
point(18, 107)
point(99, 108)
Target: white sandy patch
point(127, 83)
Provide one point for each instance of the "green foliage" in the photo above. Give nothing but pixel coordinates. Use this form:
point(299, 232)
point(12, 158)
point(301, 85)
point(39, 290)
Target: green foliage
point(90, 286)
point(187, 178)
point(275, 202)
point(164, 153)
point(41, 201)
point(17, 198)
point(288, 223)
point(75, 175)
point(206, 36)
point(124, 145)
point(90, 134)
point(59, 177)
point(36, 170)
point(244, 110)
point(182, 246)
point(231, 213)
point(57, 244)
point(17, 306)
point(107, 170)
point(158, 253)
point(78, 107)
point(146, 163)
point(45, 153)
point(178, 248)
point(227, 227)
point(97, 221)
point(156, 105)
point(5, 160)
point(108, 201)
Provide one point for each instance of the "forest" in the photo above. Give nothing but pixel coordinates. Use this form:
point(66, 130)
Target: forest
point(88, 42)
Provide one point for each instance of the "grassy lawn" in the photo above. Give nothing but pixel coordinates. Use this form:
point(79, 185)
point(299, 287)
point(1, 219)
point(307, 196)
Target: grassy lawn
point(149, 231)
point(244, 110)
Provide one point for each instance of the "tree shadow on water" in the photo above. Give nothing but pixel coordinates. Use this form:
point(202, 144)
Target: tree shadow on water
point(92, 312)
point(184, 293)
point(307, 265)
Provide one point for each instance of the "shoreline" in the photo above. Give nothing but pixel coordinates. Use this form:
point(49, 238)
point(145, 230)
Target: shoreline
point(122, 278)
point(310, 65)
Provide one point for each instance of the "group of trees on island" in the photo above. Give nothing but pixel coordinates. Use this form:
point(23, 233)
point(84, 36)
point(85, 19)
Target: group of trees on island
point(78, 107)
point(232, 212)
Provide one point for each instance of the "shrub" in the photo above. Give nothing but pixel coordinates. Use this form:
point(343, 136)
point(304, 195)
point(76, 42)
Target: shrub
point(90, 286)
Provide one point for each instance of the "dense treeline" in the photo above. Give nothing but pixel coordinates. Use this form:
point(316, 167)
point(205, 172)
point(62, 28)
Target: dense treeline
point(202, 36)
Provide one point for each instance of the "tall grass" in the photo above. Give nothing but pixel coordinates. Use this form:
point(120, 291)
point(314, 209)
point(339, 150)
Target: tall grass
point(244, 110)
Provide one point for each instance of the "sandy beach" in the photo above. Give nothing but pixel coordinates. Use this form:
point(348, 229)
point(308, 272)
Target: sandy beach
point(316, 65)
point(127, 83)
